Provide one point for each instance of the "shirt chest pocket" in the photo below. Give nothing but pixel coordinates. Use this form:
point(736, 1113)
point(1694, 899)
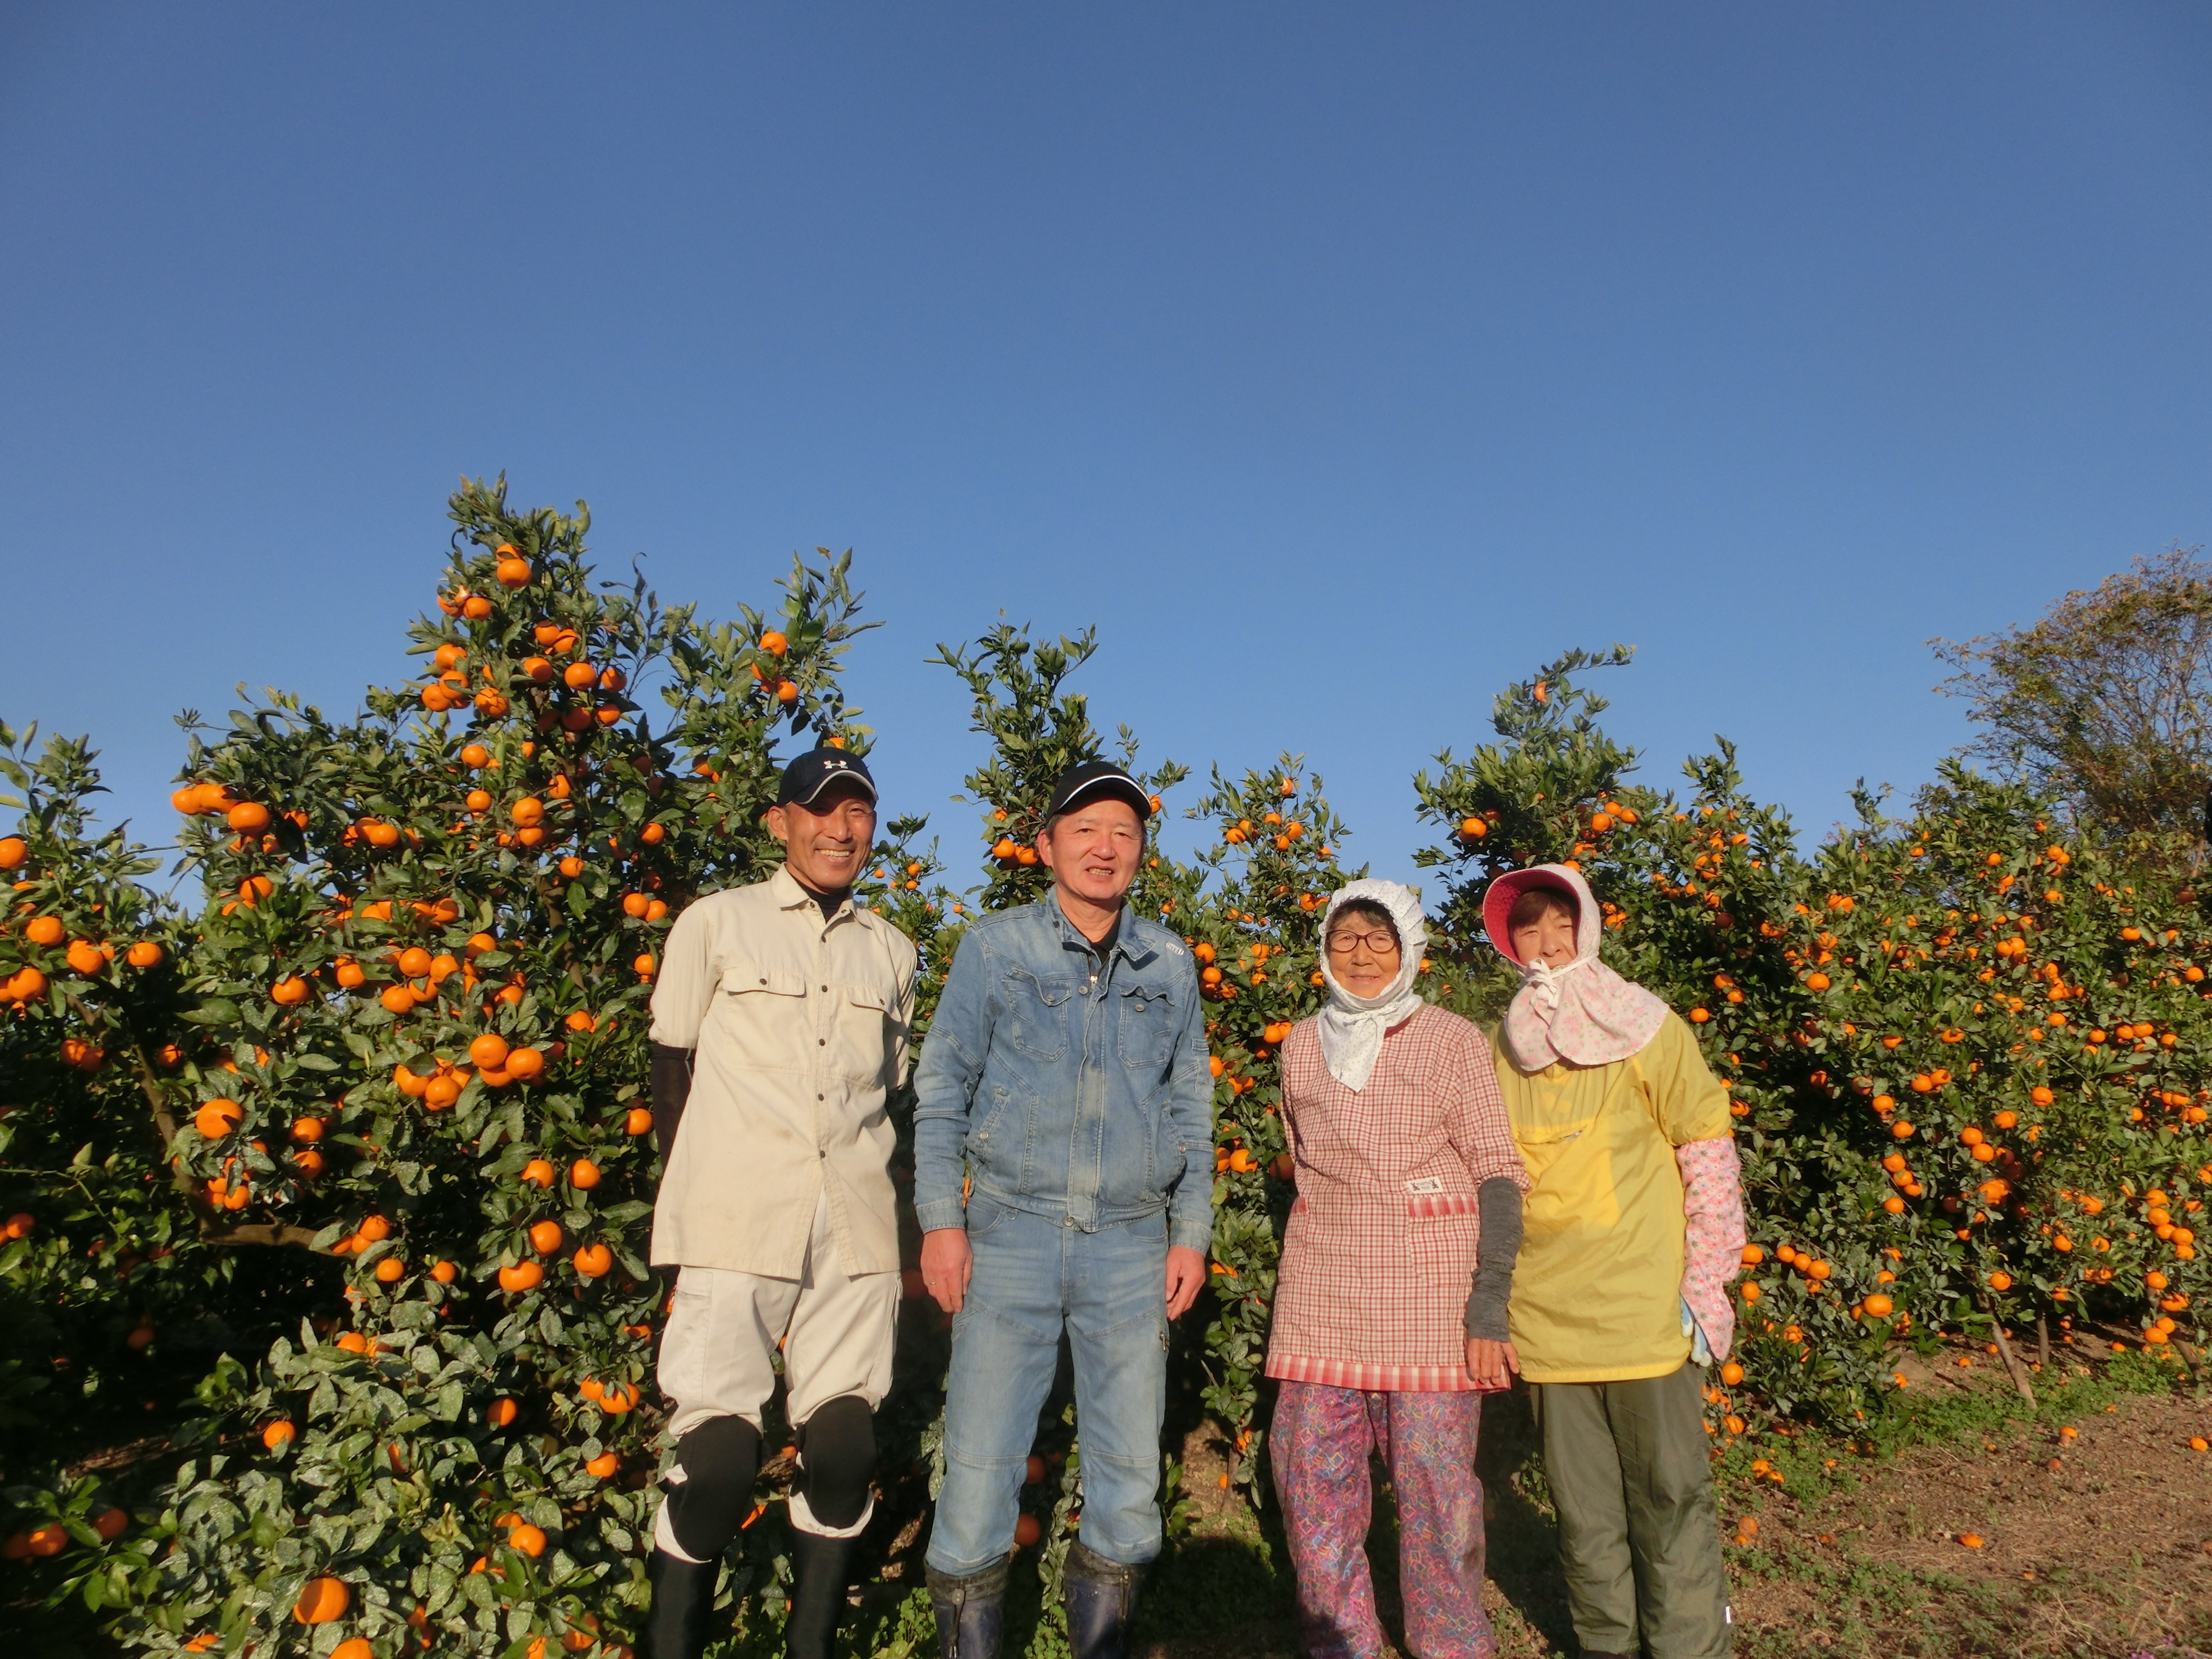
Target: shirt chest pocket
point(861, 1041)
point(1037, 1014)
point(762, 1015)
point(1146, 1030)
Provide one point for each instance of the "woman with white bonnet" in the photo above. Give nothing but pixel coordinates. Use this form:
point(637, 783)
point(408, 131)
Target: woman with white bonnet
point(1389, 1315)
point(1634, 1226)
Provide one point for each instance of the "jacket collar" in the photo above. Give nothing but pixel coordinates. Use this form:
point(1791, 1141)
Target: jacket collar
point(1127, 946)
point(791, 895)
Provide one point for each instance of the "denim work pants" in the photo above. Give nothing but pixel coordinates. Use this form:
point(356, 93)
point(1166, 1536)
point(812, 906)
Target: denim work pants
point(1033, 1275)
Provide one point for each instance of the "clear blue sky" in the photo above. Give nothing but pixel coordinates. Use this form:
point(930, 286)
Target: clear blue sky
point(1338, 362)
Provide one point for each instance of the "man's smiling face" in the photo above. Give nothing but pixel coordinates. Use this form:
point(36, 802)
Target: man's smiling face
point(826, 840)
point(1093, 851)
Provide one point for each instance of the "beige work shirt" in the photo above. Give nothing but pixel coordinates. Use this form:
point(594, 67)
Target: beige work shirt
point(800, 1027)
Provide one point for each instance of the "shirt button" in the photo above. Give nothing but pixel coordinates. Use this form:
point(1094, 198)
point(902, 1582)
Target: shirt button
point(822, 1042)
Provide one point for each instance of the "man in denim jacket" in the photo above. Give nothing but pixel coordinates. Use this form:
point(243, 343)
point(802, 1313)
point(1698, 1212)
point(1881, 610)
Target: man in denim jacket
point(1066, 1075)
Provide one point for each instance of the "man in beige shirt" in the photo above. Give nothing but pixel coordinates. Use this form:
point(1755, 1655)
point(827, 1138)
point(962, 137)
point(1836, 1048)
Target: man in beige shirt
point(779, 1030)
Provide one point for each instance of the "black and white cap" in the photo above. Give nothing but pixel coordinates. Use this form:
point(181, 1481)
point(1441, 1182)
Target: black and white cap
point(1093, 780)
point(807, 776)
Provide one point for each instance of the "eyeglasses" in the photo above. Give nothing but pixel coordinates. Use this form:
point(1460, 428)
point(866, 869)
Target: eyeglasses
point(1344, 943)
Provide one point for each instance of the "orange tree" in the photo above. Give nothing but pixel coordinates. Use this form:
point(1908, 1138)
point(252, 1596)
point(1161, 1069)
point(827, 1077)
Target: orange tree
point(1953, 1042)
point(339, 1186)
point(104, 1273)
point(400, 1051)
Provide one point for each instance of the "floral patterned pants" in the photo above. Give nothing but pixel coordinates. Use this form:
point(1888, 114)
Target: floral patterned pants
point(1318, 1450)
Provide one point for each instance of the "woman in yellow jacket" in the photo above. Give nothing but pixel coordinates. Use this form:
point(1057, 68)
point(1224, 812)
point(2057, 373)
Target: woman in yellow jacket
point(1632, 1227)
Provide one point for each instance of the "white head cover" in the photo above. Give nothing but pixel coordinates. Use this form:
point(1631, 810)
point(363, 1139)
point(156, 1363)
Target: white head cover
point(1351, 1027)
point(1583, 1012)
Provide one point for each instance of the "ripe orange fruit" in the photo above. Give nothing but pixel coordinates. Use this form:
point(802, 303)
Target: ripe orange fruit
point(14, 851)
point(412, 1086)
point(584, 1175)
point(1879, 1306)
point(617, 1398)
point(527, 813)
point(572, 867)
point(49, 1540)
point(441, 1091)
point(278, 1434)
point(247, 814)
point(1731, 1373)
point(538, 1172)
point(144, 954)
point(501, 1413)
point(530, 1540)
point(44, 930)
point(512, 572)
point(26, 983)
point(523, 1276)
point(577, 675)
point(84, 956)
point(637, 1121)
point(593, 1259)
point(217, 1118)
point(443, 1272)
point(322, 1600)
point(785, 691)
point(774, 643)
point(1027, 1531)
point(653, 834)
point(644, 966)
point(603, 1465)
point(354, 1647)
point(545, 1237)
point(390, 1270)
point(523, 1064)
point(288, 991)
point(488, 1051)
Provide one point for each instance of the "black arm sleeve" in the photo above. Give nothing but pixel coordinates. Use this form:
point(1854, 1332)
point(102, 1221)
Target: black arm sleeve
point(1499, 1204)
point(671, 1088)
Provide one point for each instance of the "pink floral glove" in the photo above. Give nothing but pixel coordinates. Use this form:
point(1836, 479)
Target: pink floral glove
point(1713, 1238)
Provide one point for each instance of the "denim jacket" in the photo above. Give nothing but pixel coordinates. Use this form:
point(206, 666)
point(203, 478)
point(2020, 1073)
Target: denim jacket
point(1069, 1096)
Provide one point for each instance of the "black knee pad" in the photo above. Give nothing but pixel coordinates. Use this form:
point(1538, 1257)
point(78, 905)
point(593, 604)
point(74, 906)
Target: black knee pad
point(720, 1459)
point(837, 1447)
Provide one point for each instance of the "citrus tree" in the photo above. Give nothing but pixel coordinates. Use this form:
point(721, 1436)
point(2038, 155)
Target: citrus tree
point(399, 1057)
point(325, 1199)
point(1953, 1041)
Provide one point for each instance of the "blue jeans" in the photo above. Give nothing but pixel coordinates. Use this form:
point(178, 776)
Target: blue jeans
point(1034, 1273)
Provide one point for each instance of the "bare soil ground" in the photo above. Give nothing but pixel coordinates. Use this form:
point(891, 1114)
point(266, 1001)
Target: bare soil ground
point(2097, 1544)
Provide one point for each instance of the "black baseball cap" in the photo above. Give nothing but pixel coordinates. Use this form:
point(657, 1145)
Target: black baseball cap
point(807, 776)
point(1092, 780)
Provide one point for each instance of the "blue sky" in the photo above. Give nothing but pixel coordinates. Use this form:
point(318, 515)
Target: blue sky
point(1339, 363)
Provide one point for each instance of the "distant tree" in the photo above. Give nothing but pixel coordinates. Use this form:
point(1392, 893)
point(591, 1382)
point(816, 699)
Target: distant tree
point(2105, 702)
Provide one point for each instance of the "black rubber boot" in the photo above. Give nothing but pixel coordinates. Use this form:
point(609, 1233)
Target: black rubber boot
point(971, 1611)
point(1101, 1599)
point(683, 1603)
point(820, 1576)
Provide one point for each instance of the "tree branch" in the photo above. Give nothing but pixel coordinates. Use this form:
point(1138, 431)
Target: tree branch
point(262, 1232)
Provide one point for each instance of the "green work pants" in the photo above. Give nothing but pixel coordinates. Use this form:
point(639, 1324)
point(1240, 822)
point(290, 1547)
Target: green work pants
point(1631, 1472)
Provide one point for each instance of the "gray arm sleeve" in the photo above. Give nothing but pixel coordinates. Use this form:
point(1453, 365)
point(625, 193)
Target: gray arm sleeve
point(1498, 1202)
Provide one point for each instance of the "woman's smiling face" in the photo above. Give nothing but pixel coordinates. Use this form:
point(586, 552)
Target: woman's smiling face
point(1364, 951)
point(1547, 937)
